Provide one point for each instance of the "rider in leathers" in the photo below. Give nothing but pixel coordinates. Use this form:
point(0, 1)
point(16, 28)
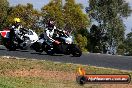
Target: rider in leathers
point(15, 29)
point(50, 30)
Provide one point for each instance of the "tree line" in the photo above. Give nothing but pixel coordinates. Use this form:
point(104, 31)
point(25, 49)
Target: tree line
point(107, 35)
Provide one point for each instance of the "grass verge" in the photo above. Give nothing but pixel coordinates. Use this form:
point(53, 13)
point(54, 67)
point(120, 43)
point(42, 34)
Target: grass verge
point(23, 73)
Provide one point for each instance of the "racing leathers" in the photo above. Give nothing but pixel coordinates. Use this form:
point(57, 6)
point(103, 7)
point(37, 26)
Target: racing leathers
point(49, 34)
point(14, 32)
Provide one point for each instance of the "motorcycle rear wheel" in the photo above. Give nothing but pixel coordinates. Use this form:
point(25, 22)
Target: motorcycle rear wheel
point(49, 50)
point(37, 47)
point(7, 43)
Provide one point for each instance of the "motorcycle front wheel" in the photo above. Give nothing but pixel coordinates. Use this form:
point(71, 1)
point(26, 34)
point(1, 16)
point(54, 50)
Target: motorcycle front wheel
point(76, 52)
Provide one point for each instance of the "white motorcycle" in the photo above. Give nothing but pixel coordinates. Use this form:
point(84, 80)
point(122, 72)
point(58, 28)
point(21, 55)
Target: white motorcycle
point(22, 40)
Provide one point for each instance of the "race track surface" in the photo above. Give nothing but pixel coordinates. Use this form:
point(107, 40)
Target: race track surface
point(100, 60)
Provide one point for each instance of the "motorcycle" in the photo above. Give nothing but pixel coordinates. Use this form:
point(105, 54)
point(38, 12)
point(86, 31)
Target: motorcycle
point(63, 44)
point(22, 40)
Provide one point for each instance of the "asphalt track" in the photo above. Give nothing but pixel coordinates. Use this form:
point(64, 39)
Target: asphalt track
point(100, 60)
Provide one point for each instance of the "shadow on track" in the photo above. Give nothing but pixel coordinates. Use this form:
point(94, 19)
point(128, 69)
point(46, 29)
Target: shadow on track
point(57, 55)
point(38, 53)
point(23, 50)
point(47, 54)
point(18, 50)
point(3, 49)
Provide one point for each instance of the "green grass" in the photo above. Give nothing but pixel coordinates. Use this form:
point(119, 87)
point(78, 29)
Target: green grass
point(13, 64)
point(29, 82)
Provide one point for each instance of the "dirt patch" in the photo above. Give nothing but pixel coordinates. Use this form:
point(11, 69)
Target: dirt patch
point(42, 73)
point(59, 75)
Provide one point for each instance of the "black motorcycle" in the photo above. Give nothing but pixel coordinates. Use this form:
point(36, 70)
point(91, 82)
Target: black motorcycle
point(63, 44)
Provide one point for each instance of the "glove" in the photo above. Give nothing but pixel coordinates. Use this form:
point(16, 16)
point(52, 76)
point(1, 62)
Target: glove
point(57, 42)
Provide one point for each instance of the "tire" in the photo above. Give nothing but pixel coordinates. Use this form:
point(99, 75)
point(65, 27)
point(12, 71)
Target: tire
point(8, 45)
point(37, 47)
point(76, 51)
point(12, 47)
point(23, 48)
point(49, 50)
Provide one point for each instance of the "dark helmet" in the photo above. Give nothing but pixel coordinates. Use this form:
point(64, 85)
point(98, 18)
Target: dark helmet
point(51, 24)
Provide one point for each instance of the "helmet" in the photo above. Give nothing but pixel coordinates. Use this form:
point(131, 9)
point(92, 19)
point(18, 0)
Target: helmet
point(51, 24)
point(17, 20)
